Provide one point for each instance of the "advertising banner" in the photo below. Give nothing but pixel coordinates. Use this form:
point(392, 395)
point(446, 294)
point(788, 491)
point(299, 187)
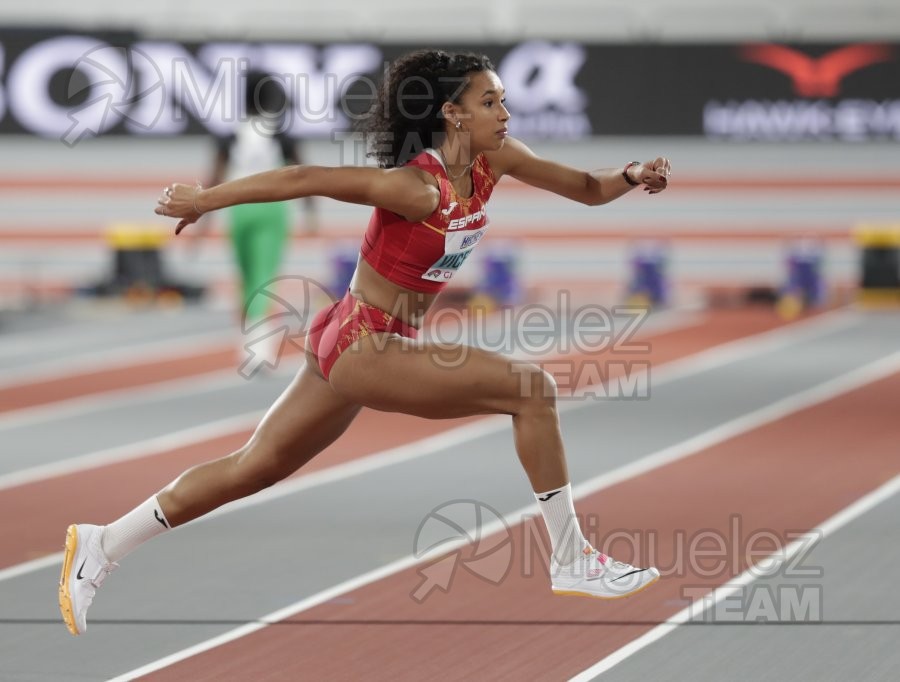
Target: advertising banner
point(69, 85)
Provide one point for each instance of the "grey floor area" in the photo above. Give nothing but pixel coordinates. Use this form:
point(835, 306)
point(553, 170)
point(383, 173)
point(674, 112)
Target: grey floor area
point(237, 566)
point(848, 628)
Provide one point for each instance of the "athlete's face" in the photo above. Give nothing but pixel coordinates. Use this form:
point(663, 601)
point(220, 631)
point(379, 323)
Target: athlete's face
point(482, 112)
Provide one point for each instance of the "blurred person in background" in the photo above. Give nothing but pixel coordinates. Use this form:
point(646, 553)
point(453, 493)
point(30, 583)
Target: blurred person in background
point(259, 232)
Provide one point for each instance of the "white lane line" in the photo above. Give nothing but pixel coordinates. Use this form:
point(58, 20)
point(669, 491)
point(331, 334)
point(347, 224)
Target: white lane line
point(772, 412)
point(114, 358)
point(166, 350)
point(719, 355)
point(670, 371)
point(734, 586)
point(143, 448)
point(180, 438)
point(764, 342)
point(54, 560)
point(817, 394)
point(38, 340)
point(379, 460)
point(46, 339)
point(119, 398)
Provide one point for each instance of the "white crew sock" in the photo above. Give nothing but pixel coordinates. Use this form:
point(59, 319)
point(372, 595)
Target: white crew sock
point(558, 510)
point(143, 522)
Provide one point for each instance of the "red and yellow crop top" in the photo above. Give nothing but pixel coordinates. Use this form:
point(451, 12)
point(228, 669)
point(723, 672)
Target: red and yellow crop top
point(423, 256)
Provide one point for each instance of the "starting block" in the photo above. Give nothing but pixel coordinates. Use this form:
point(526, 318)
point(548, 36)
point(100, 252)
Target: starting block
point(138, 273)
point(879, 246)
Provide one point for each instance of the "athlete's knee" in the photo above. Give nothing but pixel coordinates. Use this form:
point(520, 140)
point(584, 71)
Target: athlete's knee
point(537, 388)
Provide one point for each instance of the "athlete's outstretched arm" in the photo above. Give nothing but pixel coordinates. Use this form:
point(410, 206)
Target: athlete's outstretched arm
point(588, 187)
point(408, 192)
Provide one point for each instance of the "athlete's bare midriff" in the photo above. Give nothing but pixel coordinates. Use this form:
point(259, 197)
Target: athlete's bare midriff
point(399, 302)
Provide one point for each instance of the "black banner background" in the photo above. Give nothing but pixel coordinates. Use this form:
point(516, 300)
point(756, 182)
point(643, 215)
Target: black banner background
point(556, 90)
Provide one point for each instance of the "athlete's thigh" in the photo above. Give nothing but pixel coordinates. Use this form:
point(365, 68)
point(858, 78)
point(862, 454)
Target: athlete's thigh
point(306, 418)
point(397, 374)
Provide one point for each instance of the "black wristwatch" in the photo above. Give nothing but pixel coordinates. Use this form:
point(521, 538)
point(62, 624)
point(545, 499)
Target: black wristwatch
point(625, 173)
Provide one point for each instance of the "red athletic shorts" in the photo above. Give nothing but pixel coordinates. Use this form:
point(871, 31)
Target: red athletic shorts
point(337, 327)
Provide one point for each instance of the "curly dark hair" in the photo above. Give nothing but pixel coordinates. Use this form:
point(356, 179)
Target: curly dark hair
point(406, 116)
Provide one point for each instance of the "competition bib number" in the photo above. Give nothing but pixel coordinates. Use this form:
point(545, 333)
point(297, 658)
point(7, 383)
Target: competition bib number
point(457, 247)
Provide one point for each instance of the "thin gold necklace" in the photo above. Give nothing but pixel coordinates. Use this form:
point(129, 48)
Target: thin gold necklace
point(447, 167)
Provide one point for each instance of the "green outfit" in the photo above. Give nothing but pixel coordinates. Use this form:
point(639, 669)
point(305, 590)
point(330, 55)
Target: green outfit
point(259, 234)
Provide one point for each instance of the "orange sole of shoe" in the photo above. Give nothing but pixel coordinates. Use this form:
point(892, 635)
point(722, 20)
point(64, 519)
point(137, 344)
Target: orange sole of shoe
point(65, 597)
point(571, 593)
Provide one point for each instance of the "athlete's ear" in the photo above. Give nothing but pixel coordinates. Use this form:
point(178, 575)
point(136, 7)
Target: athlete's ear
point(450, 113)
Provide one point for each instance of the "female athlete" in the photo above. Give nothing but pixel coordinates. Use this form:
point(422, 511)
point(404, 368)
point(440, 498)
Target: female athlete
point(440, 132)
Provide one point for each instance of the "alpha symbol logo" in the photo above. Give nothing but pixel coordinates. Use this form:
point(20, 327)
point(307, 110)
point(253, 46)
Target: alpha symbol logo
point(817, 76)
